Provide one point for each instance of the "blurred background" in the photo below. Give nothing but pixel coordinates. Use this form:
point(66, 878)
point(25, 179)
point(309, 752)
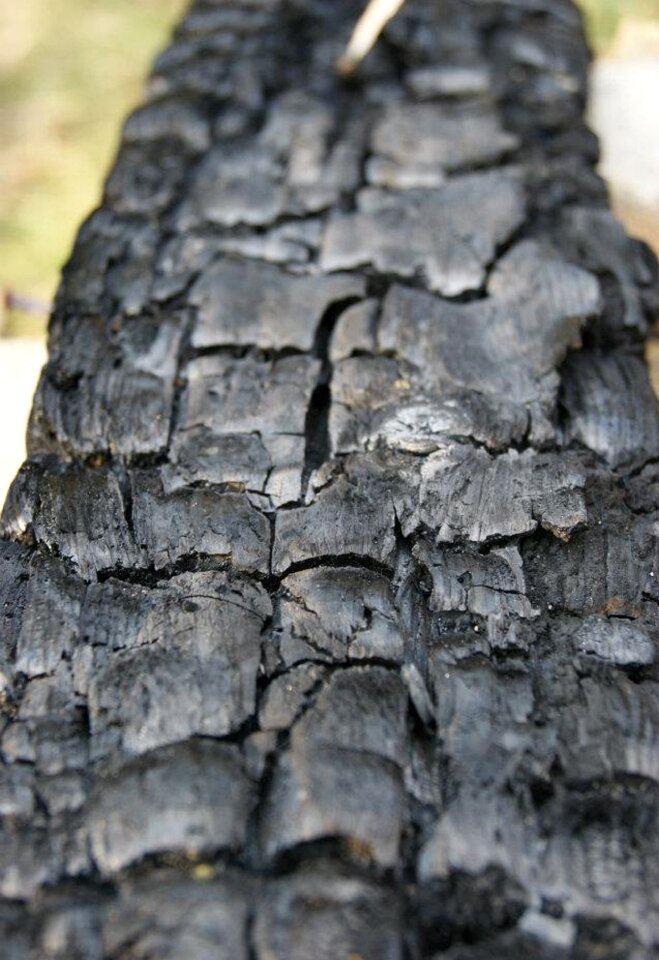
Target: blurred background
point(71, 69)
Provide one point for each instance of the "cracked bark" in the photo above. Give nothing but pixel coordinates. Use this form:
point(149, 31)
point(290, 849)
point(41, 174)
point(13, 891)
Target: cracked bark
point(329, 589)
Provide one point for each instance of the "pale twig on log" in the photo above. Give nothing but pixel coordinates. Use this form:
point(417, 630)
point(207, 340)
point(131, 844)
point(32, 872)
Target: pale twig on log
point(369, 27)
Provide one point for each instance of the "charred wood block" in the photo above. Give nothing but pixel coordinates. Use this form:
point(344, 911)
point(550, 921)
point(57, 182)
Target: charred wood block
point(328, 592)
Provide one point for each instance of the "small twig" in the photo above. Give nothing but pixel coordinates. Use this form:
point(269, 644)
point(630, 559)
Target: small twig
point(26, 304)
point(10, 301)
point(369, 27)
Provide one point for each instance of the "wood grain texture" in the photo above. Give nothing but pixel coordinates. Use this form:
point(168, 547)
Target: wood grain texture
point(329, 589)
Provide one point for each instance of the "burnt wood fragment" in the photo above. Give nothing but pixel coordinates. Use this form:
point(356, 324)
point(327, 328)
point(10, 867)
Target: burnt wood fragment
point(329, 588)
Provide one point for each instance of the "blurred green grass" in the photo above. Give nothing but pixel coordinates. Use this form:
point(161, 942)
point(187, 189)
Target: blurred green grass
point(603, 17)
point(69, 72)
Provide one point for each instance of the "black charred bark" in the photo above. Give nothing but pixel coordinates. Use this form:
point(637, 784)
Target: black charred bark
point(330, 585)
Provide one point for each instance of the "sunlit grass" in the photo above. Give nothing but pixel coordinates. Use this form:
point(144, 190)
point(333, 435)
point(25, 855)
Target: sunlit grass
point(603, 17)
point(70, 70)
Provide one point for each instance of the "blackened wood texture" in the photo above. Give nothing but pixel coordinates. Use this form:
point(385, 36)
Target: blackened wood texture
point(330, 587)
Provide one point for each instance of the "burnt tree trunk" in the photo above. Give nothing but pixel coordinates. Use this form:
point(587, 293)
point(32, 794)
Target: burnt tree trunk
point(329, 586)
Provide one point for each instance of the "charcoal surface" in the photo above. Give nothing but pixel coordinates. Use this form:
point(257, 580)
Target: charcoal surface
point(329, 587)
